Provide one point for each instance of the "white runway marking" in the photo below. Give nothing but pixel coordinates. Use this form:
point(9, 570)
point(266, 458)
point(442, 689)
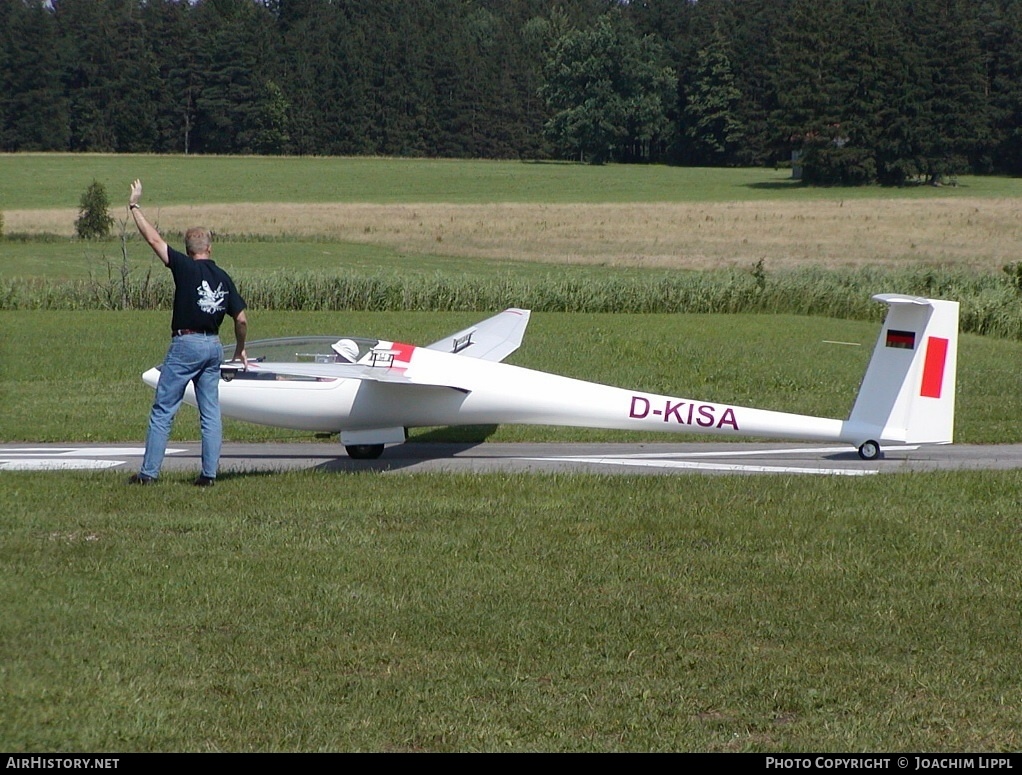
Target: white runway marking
point(20, 452)
point(56, 464)
point(666, 460)
point(737, 453)
point(68, 458)
point(694, 464)
point(749, 452)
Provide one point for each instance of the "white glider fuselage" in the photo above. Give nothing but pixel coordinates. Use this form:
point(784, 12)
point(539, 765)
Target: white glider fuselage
point(452, 390)
point(482, 392)
point(907, 395)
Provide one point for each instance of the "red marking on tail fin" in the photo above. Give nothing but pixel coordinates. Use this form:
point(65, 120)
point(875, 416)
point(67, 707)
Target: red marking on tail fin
point(933, 367)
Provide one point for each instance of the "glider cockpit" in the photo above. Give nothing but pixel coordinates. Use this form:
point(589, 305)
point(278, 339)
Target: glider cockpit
point(306, 349)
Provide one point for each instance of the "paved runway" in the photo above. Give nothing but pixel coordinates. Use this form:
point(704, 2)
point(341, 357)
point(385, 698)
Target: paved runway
point(686, 458)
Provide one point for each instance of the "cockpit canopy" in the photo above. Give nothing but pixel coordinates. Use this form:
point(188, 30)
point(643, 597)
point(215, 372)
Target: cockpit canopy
point(307, 349)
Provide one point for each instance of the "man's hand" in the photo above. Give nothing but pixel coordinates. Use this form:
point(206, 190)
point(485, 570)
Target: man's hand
point(136, 193)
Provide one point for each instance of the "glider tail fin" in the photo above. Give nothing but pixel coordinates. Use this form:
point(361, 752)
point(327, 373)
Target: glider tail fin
point(908, 393)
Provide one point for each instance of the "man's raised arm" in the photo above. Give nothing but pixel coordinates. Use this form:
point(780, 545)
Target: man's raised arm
point(146, 229)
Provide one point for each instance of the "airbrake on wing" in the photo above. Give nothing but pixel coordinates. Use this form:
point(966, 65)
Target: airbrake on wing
point(491, 340)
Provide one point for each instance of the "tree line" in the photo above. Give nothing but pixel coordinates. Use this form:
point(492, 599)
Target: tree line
point(856, 91)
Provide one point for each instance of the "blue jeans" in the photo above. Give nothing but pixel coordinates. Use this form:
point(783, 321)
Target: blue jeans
point(191, 358)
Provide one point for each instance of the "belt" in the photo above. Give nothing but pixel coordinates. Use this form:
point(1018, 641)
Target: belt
point(183, 331)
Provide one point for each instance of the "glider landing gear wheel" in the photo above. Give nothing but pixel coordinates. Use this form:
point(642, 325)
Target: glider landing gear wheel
point(364, 451)
point(869, 450)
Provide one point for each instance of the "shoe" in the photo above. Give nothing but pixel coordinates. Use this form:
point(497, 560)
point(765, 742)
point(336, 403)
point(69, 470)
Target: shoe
point(204, 481)
point(139, 479)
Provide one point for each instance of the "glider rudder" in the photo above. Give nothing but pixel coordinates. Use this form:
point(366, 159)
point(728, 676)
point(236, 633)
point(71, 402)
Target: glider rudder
point(908, 393)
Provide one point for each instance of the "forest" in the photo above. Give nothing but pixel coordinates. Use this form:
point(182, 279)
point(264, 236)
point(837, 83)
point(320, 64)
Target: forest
point(849, 92)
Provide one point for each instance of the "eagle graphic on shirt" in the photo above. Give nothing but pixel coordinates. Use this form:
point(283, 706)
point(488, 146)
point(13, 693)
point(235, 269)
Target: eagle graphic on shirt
point(211, 301)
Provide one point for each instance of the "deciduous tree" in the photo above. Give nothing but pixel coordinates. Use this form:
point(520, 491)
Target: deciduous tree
point(608, 90)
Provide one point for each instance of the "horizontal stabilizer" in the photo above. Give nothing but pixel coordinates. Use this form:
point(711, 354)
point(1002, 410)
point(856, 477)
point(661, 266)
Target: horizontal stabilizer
point(492, 339)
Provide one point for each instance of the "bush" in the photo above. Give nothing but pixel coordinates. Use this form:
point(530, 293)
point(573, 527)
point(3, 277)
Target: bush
point(94, 222)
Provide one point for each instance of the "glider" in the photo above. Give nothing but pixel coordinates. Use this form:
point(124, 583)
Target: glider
point(371, 391)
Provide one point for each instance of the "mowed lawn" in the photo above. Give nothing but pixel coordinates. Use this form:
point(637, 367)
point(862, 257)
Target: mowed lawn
point(374, 612)
point(315, 612)
point(76, 376)
point(31, 181)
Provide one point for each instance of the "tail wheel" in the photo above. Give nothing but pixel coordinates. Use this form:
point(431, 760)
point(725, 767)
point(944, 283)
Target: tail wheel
point(364, 451)
point(869, 450)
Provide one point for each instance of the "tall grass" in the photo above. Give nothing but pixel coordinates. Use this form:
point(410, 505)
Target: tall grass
point(990, 303)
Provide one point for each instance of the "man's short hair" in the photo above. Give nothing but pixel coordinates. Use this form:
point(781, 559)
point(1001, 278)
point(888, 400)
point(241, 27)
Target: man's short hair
point(198, 239)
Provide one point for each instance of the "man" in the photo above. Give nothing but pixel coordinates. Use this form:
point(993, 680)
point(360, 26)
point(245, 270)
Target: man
point(203, 294)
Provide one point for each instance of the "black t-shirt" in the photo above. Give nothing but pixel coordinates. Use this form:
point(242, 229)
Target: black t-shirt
point(203, 294)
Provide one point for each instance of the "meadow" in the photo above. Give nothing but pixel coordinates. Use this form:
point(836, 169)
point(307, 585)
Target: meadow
point(622, 216)
point(45, 181)
point(312, 612)
point(306, 611)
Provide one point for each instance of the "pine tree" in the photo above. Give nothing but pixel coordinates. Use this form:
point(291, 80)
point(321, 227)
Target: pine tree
point(110, 85)
point(238, 60)
point(177, 76)
point(94, 219)
point(753, 27)
point(33, 106)
point(711, 121)
point(1001, 40)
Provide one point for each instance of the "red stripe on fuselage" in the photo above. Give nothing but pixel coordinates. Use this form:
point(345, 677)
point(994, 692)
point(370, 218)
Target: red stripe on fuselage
point(933, 367)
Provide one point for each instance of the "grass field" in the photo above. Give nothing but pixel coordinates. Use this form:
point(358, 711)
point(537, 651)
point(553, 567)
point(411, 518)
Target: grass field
point(48, 181)
point(97, 393)
point(623, 216)
point(307, 612)
point(316, 612)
